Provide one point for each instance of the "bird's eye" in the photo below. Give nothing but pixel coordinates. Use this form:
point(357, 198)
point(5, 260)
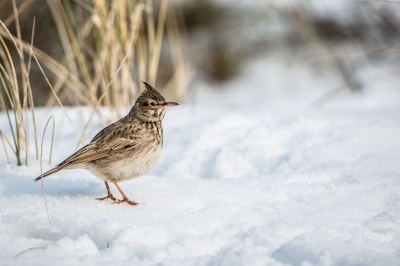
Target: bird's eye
point(151, 103)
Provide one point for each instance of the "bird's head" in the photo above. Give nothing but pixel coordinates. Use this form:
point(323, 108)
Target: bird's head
point(151, 105)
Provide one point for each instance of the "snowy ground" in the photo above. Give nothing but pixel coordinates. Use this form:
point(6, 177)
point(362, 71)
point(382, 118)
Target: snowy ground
point(250, 185)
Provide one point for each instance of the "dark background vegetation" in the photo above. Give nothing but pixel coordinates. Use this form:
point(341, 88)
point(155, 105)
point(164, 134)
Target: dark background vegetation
point(222, 35)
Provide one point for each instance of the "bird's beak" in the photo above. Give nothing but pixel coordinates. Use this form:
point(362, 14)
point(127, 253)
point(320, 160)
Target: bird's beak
point(170, 104)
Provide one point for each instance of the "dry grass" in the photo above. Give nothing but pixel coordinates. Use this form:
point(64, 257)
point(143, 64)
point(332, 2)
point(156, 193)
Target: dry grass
point(13, 83)
point(109, 47)
point(41, 161)
point(97, 42)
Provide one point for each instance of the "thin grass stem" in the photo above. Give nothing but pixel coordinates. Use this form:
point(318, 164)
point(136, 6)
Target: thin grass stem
point(41, 164)
point(58, 100)
point(4, 146)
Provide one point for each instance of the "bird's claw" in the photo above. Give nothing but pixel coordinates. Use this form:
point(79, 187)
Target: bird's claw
point(107, 197)
point(130, 202)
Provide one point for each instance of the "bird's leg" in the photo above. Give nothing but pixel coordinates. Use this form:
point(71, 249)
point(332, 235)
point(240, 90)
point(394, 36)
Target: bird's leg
point(124, 198)
point(109, 196)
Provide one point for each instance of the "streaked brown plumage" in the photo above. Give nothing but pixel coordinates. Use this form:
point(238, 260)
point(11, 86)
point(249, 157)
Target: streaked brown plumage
point(125, 149)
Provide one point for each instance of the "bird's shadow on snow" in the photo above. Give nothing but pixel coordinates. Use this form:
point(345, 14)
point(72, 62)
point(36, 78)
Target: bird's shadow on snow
point(24, 185)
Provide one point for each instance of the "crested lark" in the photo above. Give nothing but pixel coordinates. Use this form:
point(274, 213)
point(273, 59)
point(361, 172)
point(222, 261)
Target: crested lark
point(125, 149)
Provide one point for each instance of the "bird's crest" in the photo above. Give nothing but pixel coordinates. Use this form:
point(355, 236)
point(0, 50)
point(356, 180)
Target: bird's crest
point(150, 92)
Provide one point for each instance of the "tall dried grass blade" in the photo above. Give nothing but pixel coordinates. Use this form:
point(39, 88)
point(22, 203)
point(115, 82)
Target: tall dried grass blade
point(23, 127)
point(150, 25)
point(104, 93)
point(8, 142)
point(24, 6)
point(158, 42)
point(52, 140)
point(141, 53)
point(13, 133)
point(30, 96)
point(41, 166)
point(180, 66)
point(54, 66)
point(72, 82)
point(69, 21)
point(63, 34)
point(4, 146)
point(6, 86)
point(58, 100)
point(13, 79)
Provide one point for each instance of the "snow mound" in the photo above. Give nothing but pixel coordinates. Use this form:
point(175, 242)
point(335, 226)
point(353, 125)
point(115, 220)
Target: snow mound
point(249, 186)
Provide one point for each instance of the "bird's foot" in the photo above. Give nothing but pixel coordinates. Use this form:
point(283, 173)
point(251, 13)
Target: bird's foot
point(130, 202)
point(109, 196)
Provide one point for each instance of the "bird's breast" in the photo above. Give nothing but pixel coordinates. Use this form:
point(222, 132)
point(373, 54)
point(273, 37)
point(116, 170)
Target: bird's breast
point(137, 162)
point(131, 163)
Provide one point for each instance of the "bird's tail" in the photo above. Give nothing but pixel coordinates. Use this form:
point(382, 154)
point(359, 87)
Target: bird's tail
point(51, 171)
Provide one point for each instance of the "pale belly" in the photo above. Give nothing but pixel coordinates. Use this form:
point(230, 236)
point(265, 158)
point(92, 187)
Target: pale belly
point(126, 166)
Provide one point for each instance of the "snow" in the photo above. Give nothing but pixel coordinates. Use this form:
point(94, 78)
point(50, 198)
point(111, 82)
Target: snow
point(254, 184)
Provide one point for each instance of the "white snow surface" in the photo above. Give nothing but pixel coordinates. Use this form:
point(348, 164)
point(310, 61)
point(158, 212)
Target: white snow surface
point(248, 185)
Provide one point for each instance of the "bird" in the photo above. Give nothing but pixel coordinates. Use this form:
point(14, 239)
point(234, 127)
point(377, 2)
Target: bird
point(126, 149)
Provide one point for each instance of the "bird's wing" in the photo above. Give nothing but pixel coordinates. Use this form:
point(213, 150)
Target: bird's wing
point(117, 137)
point(111, 140)
point(90, 153)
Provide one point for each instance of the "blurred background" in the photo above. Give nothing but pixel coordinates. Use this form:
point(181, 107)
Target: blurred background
point(274, 53)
